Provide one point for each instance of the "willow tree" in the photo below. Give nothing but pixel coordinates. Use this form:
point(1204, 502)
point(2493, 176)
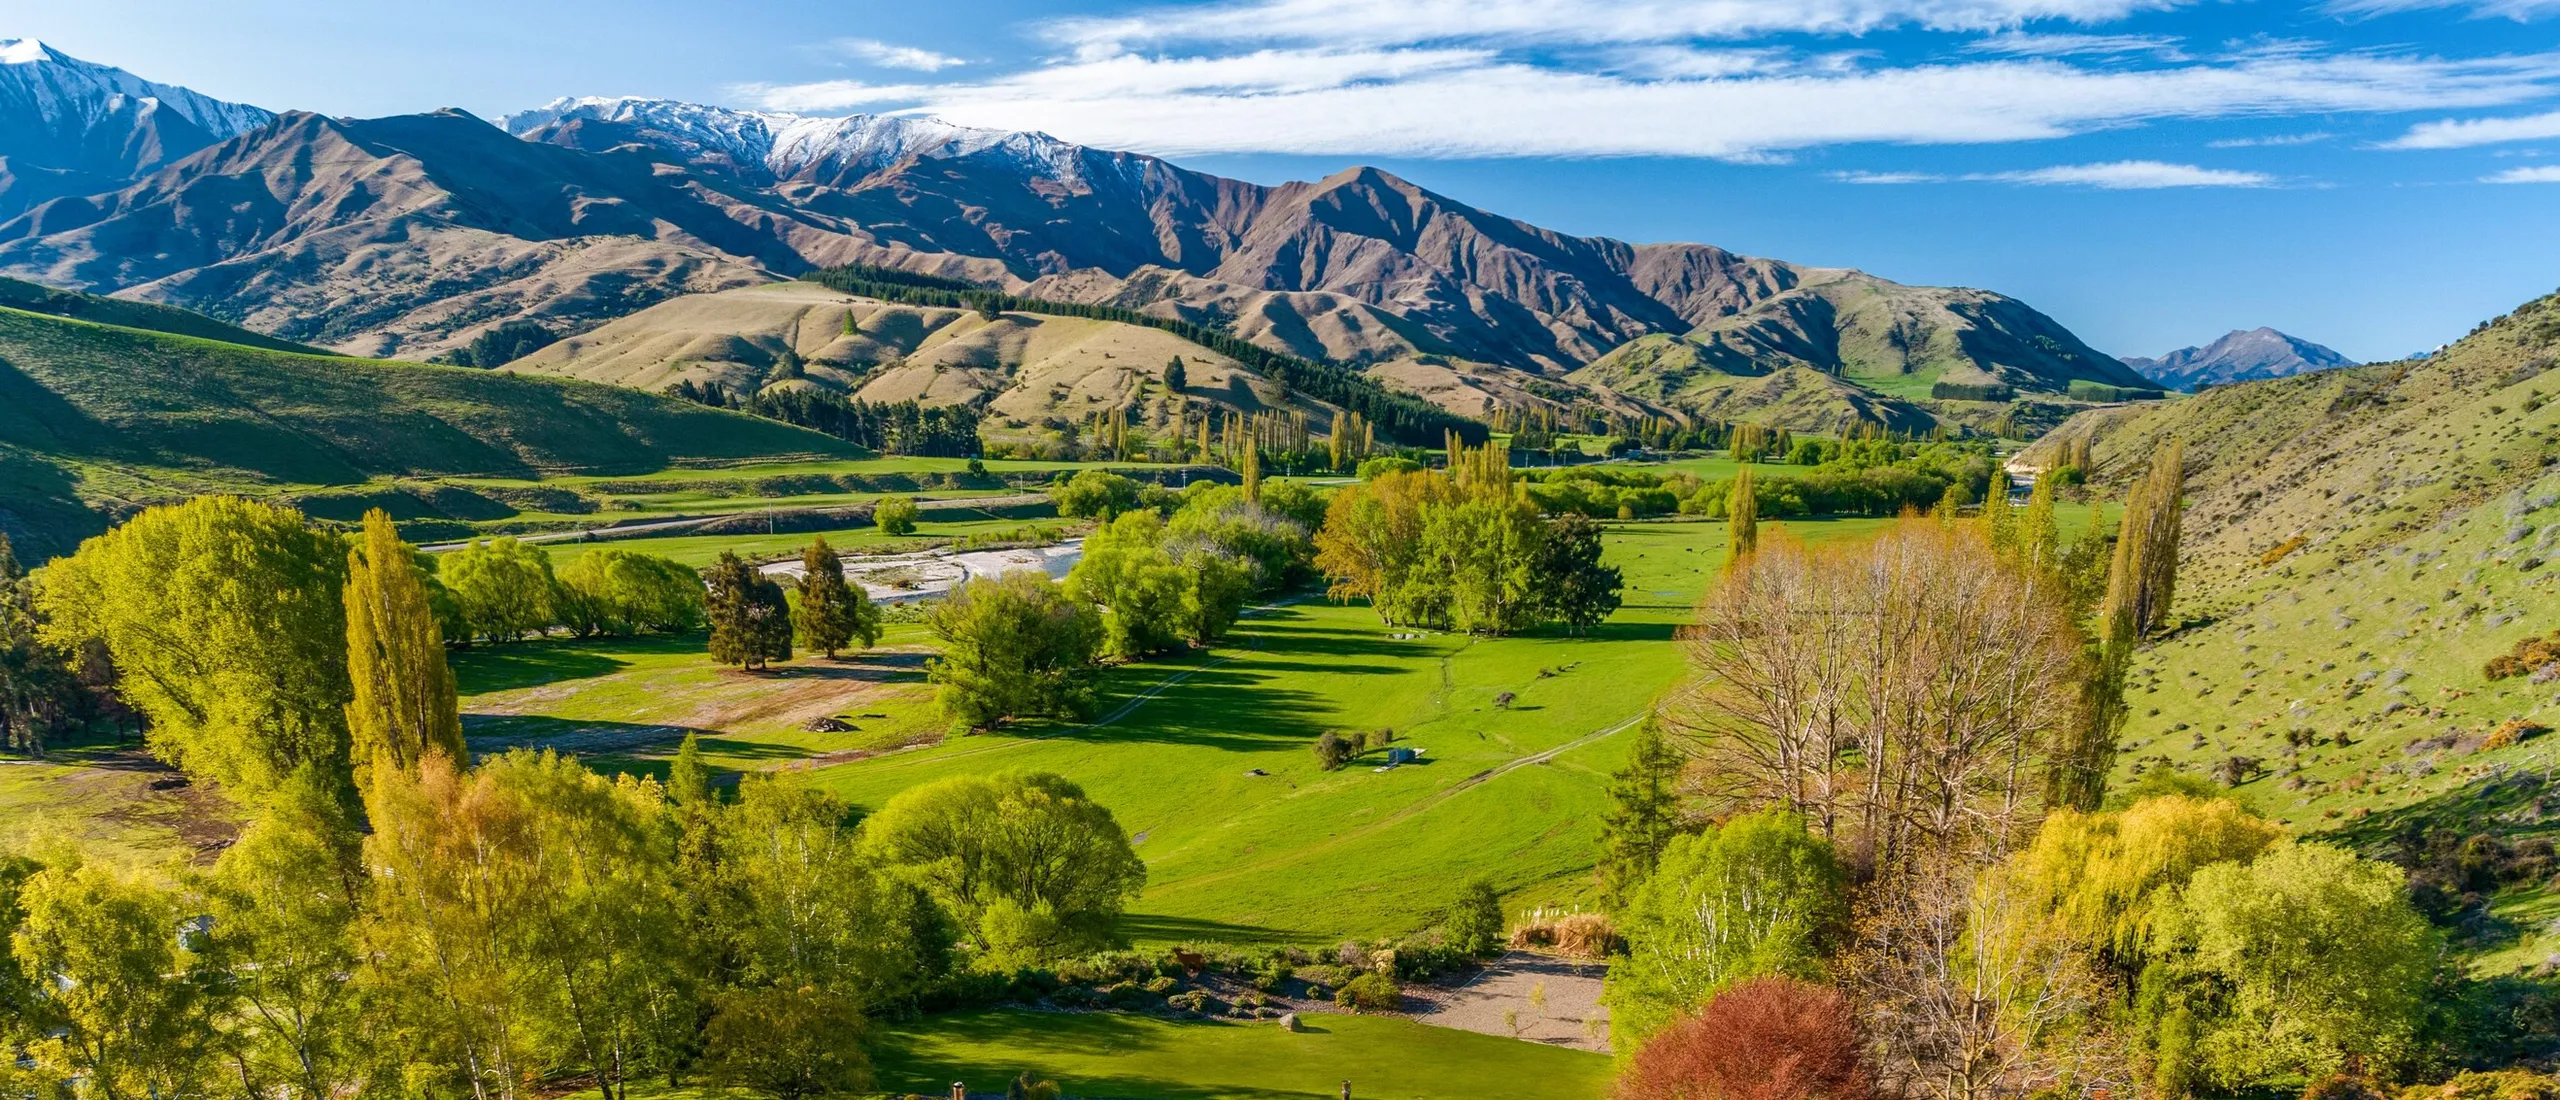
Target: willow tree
point(223, 617)
point(404, 705)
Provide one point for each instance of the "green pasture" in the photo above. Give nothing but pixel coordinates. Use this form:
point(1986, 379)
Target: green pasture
point(702, 550)
point(1146, 1058)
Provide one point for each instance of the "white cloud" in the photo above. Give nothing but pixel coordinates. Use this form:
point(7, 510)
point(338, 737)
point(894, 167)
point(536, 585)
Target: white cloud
point(1888, 177)
point(892, 56)
point(2270, 140)
point(1479, 102)
point(2546, 173)
point(1358, 23)
point(2022, 44)
point(2122, 175)
point(2464, 133)
point(2134, 175)
point(2522, 11)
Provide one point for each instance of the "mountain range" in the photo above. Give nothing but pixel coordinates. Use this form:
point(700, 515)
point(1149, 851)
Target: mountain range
point(2238, 356)
point(408, 236)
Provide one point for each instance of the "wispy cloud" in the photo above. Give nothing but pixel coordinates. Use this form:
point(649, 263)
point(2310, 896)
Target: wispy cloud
point(2122, 175)
point(2522, 11)
point(2023, 44)
point(2546, 173)
point(1358, 23)
point(2135, 175)
point(2270, 140)
point(2465, 133)
point(1472, 101)
point(889, 55)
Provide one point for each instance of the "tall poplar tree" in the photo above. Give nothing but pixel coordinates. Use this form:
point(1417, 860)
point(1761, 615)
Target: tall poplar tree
point(1742, 519)
point(404, 705)
point(2140, 584)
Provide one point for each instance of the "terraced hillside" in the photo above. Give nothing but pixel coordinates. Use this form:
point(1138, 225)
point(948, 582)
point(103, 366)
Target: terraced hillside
point(99, 419)
point(2360, 543)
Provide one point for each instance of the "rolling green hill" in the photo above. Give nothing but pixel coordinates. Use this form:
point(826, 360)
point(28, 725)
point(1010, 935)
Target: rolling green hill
point(99, 419)
point(36, 298)
point(2359, 544)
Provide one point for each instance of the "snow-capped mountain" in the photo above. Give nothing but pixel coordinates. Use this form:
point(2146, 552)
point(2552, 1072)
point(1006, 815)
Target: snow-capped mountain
point(76, 127)
point(786, 146)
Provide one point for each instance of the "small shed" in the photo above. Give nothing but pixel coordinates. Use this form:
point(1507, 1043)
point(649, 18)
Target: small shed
point(1400, 755)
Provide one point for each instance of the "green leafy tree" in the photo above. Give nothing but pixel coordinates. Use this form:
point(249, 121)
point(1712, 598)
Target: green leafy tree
point(1486, 552)
point(505, 588)
point(1475, 922)
point(40, 690)
point(801, 905)
point(283, 903)
point(120, 1005)
point(404, 705)
point(612, 590)
point(2140, 584)
point(1643, 815)
point(1574, 588)
point(790, 1044)
point(1029, 866)
point(2291, 965)
point(689, 777)
point(1013, 646)
point(750, 615)
point(225, 624)
point(1126, 570)
point(1742, 519)
point(833, 613)
point(896, 516)
point(1095, 494)
point(1759, 895)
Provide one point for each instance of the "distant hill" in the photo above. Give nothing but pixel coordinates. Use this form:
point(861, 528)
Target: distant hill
point(2359, 542)
point(2238, 356)
point(97, 420)
point(1021, 367)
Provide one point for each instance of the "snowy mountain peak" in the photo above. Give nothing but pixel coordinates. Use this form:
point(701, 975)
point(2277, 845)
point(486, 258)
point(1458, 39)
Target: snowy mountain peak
point(788, 145)
point(61, 89)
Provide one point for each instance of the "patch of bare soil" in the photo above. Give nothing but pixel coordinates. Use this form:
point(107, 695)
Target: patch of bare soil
point(1504, 999)
point(138, 792)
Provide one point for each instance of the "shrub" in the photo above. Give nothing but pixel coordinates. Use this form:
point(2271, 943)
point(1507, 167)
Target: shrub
point(1095, 494)
point(2526, 656)
point(1475, 923)
point(896, 515)
point(1334, 750)
point(2506, 1084)
point(1761, 1039)
point(2510, 732)
point(2343, 1086)
point(1581, 935)
point(2283, 549)
point(1374, 992)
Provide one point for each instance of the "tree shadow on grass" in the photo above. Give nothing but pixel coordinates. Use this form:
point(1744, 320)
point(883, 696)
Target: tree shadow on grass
point(989, 1048)
point(2500, 805)
point(512, 665)
point(1219, 708)
point(1194, 931)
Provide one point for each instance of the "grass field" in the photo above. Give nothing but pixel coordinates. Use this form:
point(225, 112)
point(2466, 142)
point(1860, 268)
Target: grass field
point(1145, 1058)
point(702, 550)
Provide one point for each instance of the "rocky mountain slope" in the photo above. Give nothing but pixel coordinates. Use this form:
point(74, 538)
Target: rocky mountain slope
point(2359, 543)
point(75, 128)
point(2237, 356)
point(409, 236)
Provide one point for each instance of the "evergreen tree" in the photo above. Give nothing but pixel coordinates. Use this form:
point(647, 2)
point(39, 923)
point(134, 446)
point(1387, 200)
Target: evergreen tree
point(1742, 520)
point(832, 612)
point(404, 705)
point(689, 779)
point(1575, 588)
point(750, 617)
point(1174, 376)
point(1475, 923)
point(1643, 815)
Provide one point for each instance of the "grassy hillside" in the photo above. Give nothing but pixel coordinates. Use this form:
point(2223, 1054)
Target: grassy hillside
point(152, 316)
point(1682, 374)
point(2360, 543)
point(97, 419)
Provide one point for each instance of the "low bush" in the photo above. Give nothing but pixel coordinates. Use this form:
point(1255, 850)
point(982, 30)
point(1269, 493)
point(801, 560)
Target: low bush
point(1580, 935)
point(1759, 1039)
point(2526, 656)
point(1372, 992)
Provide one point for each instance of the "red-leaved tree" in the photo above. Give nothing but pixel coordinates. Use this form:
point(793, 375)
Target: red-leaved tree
point(1760, 1039)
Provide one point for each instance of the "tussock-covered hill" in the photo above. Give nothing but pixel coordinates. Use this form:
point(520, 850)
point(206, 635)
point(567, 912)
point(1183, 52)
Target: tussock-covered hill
point(97, 420)
point(1022, 367)
point(2359, 543)
point(2238, 356)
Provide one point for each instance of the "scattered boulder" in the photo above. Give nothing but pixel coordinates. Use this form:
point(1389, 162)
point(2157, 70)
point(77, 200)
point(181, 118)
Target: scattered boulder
point(1289, 1022)
point(827, 724)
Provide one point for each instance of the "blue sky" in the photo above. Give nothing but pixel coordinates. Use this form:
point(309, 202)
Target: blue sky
point(2377, 175)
